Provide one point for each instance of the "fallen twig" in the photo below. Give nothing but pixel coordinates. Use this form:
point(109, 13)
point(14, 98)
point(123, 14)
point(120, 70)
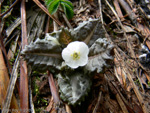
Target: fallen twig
point(128, 10)
point(98, 102)
point(53, 88)
point(46, 11)
point(116, 4)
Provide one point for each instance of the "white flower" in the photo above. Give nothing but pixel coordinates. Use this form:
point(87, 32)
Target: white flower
point(76, 54)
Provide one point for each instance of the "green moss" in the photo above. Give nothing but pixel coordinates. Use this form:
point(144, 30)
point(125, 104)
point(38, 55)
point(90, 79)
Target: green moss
point(38, 110)
point(148, 83)
point(5, 8)
point(44, 101)
point(35, 87)
point(11, 61)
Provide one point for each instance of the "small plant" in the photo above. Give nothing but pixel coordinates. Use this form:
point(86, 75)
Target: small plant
point(75, 56)
point(66, 5)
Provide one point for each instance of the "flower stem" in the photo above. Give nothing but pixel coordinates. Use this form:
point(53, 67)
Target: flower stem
point(53, 88)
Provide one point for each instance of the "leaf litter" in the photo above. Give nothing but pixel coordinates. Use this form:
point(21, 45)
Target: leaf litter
point(125, 85)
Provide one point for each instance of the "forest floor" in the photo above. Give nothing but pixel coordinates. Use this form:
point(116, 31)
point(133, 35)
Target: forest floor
point(123, 87)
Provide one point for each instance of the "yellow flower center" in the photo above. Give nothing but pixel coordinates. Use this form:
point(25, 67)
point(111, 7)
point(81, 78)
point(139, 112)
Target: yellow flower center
point(76, 55)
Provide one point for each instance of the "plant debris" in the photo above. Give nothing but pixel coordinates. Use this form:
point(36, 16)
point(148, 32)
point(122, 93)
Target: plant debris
point(123, 87)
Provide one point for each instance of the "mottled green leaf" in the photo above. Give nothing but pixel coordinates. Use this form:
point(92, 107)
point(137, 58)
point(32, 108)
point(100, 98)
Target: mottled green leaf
point(74, 86)
point(43, 54)
point(89, 31)
point(100, 54)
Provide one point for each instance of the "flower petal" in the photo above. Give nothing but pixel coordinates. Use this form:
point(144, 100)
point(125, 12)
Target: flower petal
point(73, 46)
point(83, 61)
point(73, 64)
point(66, 54)
point(76, 47)
point(83, 48)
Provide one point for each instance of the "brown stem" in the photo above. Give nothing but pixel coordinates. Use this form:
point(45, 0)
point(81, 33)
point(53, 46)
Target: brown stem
point(53, 88)
point(46, 11)
point(24, 103)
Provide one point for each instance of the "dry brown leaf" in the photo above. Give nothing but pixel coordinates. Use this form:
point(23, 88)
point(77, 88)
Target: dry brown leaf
point(4, 81)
